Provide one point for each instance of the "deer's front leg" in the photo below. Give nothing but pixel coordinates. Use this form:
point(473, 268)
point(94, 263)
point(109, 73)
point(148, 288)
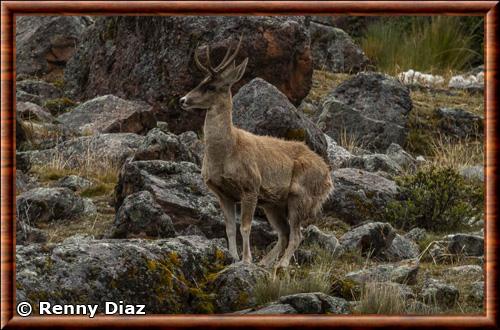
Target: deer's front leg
point(228, 208)
point(248, 204)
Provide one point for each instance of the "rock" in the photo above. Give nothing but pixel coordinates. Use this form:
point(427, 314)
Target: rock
point(460, 123)
point(373, 108)
point(464, 244)
point(180, 191)
point(73, 182)
point(397, 154)
point(164, 146)
point(316, 303)
point(26, 234)
point(337, 156)
point(46, 43)
point(162, 274)
point(24, 182)
point(374, 163)
point(21, 134)
point(473, 173)
point(401, 248)
point(334, 50)
point(274, 308)
point(140, 216)
point(404, 272)
point(416, 234)
point(42, 89)
point(22, 96)
point(195, 145)
point(439, 293)
point(234, 286)
point(48, 204)
point(312, 235)
point(262, 109)
point(33, 112)
point(469, 271)
point(476, 292)
point(112, 148)
point(89, 208)
point(371, 239)
point(160, 67)
point(359, 195)
point(110, 114)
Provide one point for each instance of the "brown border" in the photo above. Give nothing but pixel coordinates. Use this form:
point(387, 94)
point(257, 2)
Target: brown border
point(10, 8)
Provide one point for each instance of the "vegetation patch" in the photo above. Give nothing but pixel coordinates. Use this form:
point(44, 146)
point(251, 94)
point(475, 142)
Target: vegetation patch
point(59, 106)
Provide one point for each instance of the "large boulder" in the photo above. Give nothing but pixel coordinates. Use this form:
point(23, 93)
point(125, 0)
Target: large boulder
point(46, 43)
point(460, 123)
point(334, 50)
point(110, 114)
point(160, 68)
point(371, 107)
point(371, 239)
point(404, 272)
point(316, 303)
point(178, 188)
point(164, 274)
point(359, 195)
point(140, 216)
point(465, 244)
point(48, 204)
point(401, 248)
point(374, 163)
point(113, 148)
point(262, 109)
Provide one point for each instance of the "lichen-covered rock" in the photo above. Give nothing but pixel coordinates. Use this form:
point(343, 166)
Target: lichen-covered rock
point(195, 145)
point(24, 182)
point(262, 109)
point(73, 182)
point(32, 112)
point(397, 154)
point(465, 244)
point(316, 303)
point(273, 308)
point(162, 274)
point(439, 293)
point(140, 216)
point(26, 234)
point(46, 43)
point(374, 163)
point(160, 67)
point(401, 248)
point(337, 155)
point(110, 114)
point(416, 234)
point(371, 107)
point(370, 239)
point(359, 195)
point(473, 173)
point(475, 272)
point(180, 191)
point(164, 146)
point(334, 50)
point(234, 286)
point(114, 148)
point(460, 123)
point(42, 89)
point(476, 292)
point(404, 272)
point(48, 204)
point(312, 235)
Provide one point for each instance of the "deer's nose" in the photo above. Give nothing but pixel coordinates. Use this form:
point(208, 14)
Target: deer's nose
point(182, 101)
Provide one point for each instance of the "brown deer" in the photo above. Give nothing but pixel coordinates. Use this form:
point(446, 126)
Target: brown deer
point(286, 178)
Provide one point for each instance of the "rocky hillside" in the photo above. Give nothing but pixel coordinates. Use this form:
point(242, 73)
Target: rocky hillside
point(111, 204)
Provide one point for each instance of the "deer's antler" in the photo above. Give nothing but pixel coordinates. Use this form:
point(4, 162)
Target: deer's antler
point(224, 63)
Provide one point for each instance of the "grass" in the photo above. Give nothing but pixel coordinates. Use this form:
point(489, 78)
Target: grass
point(323, 82)
point(380, 298)
point(95, 226)
point(435, 44)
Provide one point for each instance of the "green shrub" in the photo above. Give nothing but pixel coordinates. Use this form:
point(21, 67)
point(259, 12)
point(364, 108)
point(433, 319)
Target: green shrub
point(59, 106)
point(437, 199)
point(437, 44)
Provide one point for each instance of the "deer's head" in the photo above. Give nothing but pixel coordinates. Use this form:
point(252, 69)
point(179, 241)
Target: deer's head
point(217, 82)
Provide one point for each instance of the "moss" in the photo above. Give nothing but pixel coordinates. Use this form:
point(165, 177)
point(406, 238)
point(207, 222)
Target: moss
point(174, 258)
point(296, 134)
point(59, 105)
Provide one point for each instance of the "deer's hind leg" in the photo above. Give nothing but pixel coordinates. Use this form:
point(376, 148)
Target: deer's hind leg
point(277, 217)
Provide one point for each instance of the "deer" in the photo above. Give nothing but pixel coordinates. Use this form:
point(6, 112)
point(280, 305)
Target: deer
point(285, 178)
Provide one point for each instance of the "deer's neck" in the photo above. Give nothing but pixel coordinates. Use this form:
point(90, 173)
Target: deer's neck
point(218, 129)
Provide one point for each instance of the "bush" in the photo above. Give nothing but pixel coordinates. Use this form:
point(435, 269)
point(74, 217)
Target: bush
point(436, 44)
point(437, 199)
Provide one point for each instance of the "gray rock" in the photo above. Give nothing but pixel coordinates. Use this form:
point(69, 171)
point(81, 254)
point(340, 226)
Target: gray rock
point(359, 195)
point(45, 43)
point(160, 67)
point(469, 245)
point(334, 50)
point(467, 271)
point(114, 148)
point(274, 308)
point(312, 235)
point(140, 216)
point(404, 272)
point(26, 234)
point(401, 248)
point(262, 109)
point(73, 182)
point(48, 204)
point(373, 108)
point(40, 88)
point(371, 239)
point(316, 303)
point(195, 145)
point(439, 293)
point(460, 123)
point(110, 114)
point(89, 208)
point(397, 154)
point(476, 292)
point(162, 274)
point(164, 146)
point(374, 163)
point(24, 182)
point(337, 155)
point(234, 286)
point(22, 96)
point(473, 173)
point(32, 112)
point(416, 234)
